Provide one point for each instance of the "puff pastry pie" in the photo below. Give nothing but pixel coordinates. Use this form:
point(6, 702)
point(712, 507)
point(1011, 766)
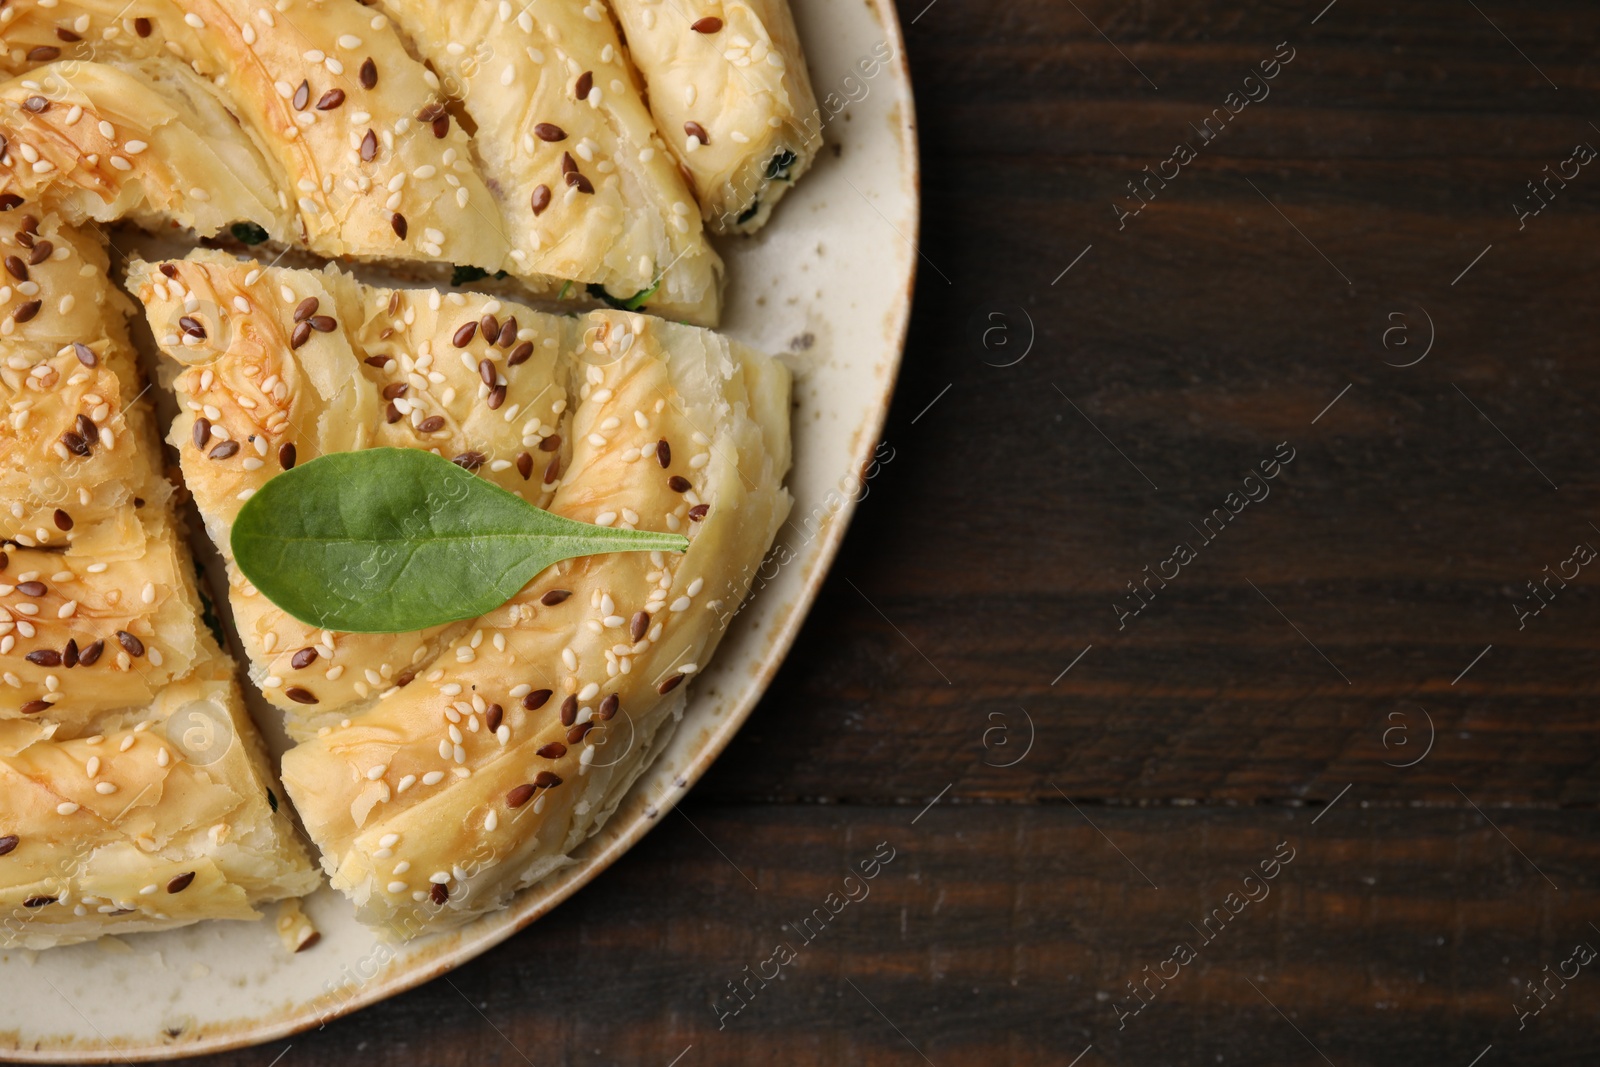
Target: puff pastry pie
point(363, 153)
point(440, 771)
point(729, 89)
point(437, 771)
point(134, 792)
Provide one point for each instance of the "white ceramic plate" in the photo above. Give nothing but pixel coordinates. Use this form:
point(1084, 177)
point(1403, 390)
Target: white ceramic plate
point(828, 285)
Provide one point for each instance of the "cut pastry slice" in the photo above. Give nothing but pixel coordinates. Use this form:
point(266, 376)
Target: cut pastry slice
point(163, 817)
point(134, 793)
point(147, 141)
point(729, 90)
point(286, 365)
point(580, 175)
point(474, 759)
point(364, 156)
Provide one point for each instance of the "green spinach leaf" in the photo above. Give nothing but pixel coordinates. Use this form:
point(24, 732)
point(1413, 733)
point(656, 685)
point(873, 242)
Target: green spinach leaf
point(388, 540)
point(778, 166)
point(632, 303)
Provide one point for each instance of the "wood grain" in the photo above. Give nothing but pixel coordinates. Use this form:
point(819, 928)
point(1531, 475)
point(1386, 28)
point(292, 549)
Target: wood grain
point(1007, 935)
point(1313, 648)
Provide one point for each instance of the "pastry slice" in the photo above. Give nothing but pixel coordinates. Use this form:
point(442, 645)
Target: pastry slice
point(147, 141)
point(97, 606)
point(365, 160)
point(164, 816)
point(729, 90)
point(284, 365)
point(581, 178)
point(509, 740)
point(134, 793)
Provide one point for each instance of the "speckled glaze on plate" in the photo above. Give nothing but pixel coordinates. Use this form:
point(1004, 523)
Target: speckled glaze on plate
point(827, 284)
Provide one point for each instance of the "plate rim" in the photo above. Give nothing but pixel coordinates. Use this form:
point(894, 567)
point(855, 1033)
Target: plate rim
point(468, 949)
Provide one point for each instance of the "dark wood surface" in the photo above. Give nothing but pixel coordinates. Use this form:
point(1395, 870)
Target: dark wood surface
point(1266, 698)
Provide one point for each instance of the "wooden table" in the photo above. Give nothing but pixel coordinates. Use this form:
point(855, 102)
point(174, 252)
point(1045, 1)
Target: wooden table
point(1345, 681)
